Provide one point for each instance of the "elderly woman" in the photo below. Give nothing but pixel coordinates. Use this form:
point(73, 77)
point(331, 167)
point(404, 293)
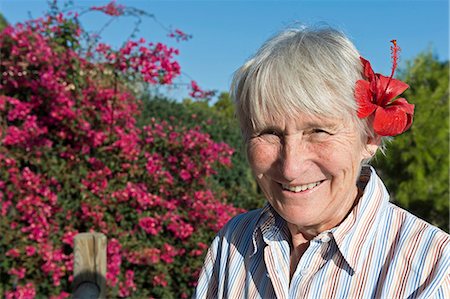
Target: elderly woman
point(313, 113)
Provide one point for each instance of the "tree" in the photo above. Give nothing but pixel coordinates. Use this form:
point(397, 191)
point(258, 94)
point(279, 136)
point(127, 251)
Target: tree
point(3, 22)
point(416, 166)
point(219, 122)
point(224, 105)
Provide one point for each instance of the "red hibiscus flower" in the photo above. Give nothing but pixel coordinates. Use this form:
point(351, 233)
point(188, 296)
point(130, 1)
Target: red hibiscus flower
point(377, 95)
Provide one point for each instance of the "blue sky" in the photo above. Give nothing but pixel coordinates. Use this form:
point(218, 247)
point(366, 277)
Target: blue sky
point(226, 33)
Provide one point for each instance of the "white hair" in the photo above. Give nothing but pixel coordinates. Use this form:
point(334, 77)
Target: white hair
point(312, 71)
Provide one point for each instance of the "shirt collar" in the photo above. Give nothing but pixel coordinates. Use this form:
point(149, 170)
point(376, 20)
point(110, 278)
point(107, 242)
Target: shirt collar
point(353, 236)
point(269, 227)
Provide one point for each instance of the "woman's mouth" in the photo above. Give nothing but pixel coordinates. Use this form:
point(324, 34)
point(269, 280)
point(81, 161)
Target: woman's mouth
point(300, 188)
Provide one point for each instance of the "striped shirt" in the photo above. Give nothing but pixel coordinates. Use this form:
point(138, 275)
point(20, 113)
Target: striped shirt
point(378, 251)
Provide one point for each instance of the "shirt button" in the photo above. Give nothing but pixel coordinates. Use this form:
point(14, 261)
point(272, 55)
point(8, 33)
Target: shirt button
point(326, 239)
point(303, 272)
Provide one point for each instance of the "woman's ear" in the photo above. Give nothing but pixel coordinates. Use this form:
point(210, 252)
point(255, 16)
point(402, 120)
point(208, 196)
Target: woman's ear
point(371, 146)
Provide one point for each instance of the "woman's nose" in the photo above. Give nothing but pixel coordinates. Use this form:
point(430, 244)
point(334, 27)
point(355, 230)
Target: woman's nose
point(293, 158)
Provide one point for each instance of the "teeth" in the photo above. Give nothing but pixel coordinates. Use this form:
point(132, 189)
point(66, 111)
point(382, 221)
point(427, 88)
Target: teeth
point(300, 188)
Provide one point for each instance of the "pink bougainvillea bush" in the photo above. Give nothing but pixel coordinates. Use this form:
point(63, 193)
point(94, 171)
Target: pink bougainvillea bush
point(72, 159)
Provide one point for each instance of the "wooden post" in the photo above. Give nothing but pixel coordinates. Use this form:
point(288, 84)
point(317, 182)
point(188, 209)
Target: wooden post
point(89, 266)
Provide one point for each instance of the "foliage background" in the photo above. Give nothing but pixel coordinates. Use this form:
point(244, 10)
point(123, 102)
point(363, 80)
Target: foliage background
point(73, 158)
point(159, 223)
point(416, 166)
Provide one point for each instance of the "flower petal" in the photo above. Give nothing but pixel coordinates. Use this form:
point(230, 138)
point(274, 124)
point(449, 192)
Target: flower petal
point(404, 105)
point(363, 97)
point(390, 121)
point(394, 88)
point(409, 121)
point(408, 108)
point(368, 71)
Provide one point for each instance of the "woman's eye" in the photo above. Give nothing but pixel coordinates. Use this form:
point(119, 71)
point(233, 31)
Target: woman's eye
point(270, 132)
point(320, 131)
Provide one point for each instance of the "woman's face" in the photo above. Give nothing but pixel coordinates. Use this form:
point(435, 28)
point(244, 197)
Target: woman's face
point(308, 167)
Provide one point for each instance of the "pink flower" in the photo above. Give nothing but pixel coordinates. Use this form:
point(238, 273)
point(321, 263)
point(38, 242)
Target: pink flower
point(20, 110)
point(30, 250)
point(62, 295)
point(111, 9)
point(22, 291)
point(14, 252)
point(18, 272)
point(69, 236)
point(179, 35)
point(180, 228)
point(114, 262)
point(150, 225)
point(198, 93)
point(159, 280)
point(126, 288)
point(169, 252)
point(185, 175)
